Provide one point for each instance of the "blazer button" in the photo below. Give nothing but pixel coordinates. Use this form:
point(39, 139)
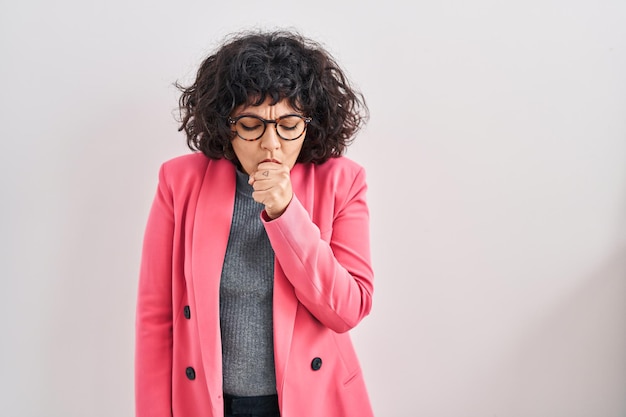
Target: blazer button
point(316, 364)
point(187, 312)
point(191, 374)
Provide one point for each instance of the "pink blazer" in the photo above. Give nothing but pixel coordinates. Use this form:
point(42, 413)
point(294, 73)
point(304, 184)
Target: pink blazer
point(322, 288)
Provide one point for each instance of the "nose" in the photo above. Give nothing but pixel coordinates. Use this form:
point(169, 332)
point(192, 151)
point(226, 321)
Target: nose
point(270, 139)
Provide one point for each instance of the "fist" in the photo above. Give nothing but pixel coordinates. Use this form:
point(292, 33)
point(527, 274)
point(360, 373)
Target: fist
point(272, 187)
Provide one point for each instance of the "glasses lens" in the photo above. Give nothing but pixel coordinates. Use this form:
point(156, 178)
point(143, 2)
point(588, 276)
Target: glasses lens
point(288, 127)
point(249, 128)
point(291, 127)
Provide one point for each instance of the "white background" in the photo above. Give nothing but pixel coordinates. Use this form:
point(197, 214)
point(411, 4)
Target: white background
point(496, 159)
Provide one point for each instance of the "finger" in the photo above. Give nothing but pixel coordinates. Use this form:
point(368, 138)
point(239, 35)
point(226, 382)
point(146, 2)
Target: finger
point(262, 174)
point(269, 165)
point(262, 186)
point(268, 168)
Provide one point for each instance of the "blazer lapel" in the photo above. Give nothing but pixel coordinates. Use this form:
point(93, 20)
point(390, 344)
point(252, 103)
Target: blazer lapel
point(211, 228)
point(285, 301)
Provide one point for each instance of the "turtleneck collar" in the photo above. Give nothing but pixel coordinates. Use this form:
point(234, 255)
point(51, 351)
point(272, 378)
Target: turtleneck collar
point(243, 187)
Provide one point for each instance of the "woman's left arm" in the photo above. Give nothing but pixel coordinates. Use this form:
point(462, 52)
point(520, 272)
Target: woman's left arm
point(333, 280)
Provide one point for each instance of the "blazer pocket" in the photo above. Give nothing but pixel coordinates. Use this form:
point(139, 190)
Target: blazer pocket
point(355, 376)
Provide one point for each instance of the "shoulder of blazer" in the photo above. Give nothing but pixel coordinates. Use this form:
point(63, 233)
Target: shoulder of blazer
point(185, 166)
point(340, 171)
point(187, 172)
point(339, 175)
point(340, 165)
point(334, 182)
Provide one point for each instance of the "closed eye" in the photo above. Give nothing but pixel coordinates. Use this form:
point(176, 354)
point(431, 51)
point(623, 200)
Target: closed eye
point(250, 125)
point(289, 127)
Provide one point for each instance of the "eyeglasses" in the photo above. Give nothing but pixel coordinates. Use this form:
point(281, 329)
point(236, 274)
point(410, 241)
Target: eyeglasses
point(288, 127)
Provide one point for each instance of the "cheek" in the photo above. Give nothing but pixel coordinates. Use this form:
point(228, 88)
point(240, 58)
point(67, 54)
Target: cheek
point(242, 154)
point(240, 148)
point(295, 152)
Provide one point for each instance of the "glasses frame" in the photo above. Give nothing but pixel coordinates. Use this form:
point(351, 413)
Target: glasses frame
point(233, 121)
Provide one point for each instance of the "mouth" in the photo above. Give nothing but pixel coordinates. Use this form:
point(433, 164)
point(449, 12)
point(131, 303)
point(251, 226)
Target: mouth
point(270, 160)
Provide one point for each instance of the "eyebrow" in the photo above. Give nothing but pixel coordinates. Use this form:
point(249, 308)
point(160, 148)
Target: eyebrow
point(279, 117)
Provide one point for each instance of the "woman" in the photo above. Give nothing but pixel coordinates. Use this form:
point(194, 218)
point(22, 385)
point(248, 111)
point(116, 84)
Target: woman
point(256, 257)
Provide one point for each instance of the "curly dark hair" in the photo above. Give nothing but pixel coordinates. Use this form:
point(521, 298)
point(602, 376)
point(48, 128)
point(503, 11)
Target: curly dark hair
point(252, 66)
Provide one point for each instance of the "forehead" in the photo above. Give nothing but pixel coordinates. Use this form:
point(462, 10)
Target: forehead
point(266, 109)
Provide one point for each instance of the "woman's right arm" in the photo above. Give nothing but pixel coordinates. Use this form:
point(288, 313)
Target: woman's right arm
point(153, 342)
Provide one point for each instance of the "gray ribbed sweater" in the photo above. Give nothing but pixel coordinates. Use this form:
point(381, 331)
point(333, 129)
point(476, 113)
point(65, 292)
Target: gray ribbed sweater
point(246, 291)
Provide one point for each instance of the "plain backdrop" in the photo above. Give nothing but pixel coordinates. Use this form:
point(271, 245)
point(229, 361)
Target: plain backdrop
point(496, 161)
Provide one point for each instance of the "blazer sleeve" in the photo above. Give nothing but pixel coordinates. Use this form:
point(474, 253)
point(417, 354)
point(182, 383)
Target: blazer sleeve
point(332, 279)
point(153, 342)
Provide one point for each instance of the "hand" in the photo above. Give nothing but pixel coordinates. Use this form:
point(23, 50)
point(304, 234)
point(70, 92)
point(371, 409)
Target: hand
point(272, 187)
